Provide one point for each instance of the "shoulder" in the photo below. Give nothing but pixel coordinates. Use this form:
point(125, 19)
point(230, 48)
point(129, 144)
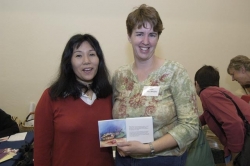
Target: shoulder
point(123, 68)
point(123, 71)
point(175, 71)
point(211, 91)
point(46, 92)
point(216, 94)
point(173, 64)
point(45, 95)
point(4, 117)
point(174, 67)
point(2, 113)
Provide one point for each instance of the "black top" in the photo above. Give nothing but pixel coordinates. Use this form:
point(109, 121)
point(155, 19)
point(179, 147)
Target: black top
point(7, 125)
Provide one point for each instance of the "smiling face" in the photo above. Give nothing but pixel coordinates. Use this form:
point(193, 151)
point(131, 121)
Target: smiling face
point(144, 41)
point(85, 62)
point(239, 75)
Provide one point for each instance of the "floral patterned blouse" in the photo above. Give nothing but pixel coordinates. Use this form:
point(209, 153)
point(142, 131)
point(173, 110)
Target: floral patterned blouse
point(174, 110)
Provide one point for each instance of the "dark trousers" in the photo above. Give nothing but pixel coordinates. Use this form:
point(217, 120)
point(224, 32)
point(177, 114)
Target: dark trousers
point(159, 161)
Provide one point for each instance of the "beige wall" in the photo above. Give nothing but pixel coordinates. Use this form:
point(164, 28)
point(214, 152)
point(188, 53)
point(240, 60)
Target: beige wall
point(34, 33)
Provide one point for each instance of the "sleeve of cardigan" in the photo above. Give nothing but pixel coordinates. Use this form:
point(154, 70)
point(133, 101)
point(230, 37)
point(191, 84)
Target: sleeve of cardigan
point(44, 131)
point(225, 113)
point(184, 98)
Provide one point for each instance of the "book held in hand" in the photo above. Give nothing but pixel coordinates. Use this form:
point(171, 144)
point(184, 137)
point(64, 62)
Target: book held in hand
point(129, 129)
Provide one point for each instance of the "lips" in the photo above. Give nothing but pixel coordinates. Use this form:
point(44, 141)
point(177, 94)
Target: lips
point(87, 69)
point(144, 48)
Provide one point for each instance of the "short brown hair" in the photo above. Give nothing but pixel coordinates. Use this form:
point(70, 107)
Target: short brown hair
point(142, 15)
point(239, 61)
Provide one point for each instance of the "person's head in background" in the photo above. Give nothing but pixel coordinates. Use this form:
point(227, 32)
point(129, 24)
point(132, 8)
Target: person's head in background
point(144, 26)
point(206, 76)
point(82, 68)
point(239, 69)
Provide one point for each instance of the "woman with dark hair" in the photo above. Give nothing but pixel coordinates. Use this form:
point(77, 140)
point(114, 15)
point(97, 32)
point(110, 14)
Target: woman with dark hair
point(66, 125)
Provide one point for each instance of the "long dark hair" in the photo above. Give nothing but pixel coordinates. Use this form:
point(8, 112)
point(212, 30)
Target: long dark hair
point(67, 84)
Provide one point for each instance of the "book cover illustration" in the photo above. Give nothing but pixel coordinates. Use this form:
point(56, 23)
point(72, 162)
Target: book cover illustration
point(129, 129)
point(111, 131)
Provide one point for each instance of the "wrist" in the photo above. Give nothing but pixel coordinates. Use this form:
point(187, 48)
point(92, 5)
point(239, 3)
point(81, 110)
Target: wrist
point(152, 150)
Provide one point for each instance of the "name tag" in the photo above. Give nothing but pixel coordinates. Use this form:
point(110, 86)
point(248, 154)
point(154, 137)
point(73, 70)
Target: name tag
point(150, 91)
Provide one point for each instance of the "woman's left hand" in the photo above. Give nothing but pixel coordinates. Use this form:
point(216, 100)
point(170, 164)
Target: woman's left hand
point(133, 147)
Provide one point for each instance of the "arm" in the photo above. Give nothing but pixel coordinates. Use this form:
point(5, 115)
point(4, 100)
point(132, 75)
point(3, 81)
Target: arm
point(8, 126)
point(184, 97)
point(44, 131)
point(135, 147)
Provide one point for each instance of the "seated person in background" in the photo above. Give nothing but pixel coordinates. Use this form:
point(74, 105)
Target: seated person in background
point(217, 107)
point(7, 125)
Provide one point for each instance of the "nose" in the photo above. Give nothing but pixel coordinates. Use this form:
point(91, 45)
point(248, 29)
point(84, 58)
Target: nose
point(233, 78)
point(145, 40)
point(85, 59)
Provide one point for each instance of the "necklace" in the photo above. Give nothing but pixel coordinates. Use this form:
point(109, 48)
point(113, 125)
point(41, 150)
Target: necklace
point(89, 94)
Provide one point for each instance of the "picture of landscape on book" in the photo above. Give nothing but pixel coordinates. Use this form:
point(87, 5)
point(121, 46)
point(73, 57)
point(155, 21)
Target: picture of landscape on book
point(111, 131)
point(129, 129)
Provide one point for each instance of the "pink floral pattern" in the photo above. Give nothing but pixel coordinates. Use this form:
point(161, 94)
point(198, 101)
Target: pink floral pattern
point(150, 110)
point(137, 101)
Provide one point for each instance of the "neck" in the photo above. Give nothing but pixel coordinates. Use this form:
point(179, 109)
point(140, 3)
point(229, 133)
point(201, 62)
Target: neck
point(89, 93)
point(84, 82)
point(148, 65)
point(143, 68)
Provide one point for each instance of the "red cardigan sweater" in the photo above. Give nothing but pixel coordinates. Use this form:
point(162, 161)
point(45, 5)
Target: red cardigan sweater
point(66, 132)
point(214, 101)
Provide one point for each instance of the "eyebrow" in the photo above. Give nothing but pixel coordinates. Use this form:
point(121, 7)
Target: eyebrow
point(81, 51)
point(155, 33)
point(76, 51)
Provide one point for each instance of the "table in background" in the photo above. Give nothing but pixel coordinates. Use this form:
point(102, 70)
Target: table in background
point(16, 145)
